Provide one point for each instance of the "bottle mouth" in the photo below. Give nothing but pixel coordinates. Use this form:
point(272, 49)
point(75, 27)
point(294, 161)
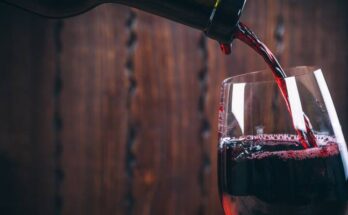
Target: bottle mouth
point(224, 19)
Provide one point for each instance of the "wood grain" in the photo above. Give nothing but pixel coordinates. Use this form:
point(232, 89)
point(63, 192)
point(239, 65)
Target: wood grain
point(94, 111)
point(167, 151)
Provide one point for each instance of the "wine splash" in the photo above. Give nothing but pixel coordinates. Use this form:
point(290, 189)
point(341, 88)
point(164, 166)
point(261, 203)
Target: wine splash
point(244, 34)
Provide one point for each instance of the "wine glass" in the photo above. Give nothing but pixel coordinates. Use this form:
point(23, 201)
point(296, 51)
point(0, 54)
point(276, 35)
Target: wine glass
point(262, 167)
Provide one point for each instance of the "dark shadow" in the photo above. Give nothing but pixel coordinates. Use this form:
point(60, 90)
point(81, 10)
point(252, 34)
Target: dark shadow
point(7, 186)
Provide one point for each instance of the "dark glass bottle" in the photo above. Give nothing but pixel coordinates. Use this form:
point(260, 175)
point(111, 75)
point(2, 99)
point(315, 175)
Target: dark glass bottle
point(217, 18)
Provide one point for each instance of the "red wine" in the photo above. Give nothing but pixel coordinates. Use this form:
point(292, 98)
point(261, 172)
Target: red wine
point(273, 174)
point(226, 48)
point(243, 33)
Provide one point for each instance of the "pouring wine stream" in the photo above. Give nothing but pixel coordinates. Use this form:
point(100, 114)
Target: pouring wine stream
point(243, 33)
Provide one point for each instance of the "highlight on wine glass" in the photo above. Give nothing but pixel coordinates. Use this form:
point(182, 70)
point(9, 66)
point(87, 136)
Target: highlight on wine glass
point(267, 163)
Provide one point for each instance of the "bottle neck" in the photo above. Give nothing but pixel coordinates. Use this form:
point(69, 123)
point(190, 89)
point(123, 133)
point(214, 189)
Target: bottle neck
point(224, 19)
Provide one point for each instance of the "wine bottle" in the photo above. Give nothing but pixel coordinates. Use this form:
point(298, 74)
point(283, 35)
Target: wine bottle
point(217, 18)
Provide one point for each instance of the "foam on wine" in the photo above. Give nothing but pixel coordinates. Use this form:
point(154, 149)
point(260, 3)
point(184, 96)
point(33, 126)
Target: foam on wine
point(284, 146)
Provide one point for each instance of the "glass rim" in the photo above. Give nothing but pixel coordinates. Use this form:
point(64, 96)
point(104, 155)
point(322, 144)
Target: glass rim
point(251, 77)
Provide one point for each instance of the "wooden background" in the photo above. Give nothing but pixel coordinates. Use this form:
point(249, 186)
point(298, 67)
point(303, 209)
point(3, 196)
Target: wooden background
point(115, 111)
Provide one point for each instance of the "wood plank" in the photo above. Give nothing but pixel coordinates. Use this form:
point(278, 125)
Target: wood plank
point(27, 68)
point(167, 150)
point(94, 111)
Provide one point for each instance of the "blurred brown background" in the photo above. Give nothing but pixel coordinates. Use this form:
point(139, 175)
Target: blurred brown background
point(115, 111)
